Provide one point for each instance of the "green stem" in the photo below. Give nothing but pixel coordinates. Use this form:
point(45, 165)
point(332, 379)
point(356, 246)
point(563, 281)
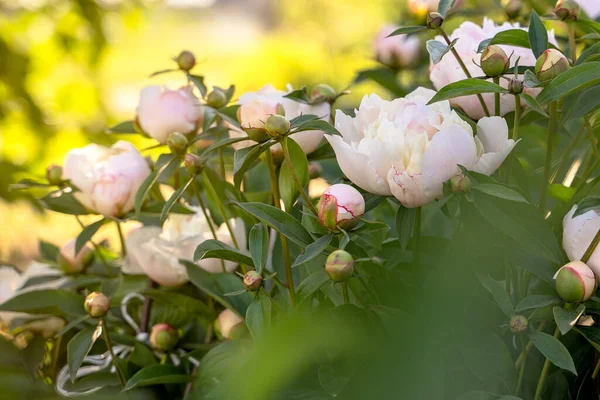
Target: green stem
point(517, 122)
point(590, 250)
point(548, 163)
point(220, 150)
point(572, 44)
point(417, 238)
point(596, 370)
point(544, 374)
point(522, 369)
point(590, 132)
point(465, 70)
point(565, 156)
point(97, 251)
point(121, 239)
point(345, 295)
point(497, 98)
point(112, 354)
point(288, 159)
point(207, 218)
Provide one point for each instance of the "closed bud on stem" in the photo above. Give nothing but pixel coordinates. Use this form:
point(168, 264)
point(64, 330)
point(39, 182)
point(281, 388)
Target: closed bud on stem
point(567, 10)
point(229, 325)
point(164, 337)
point(434, 20)
point(339, 266)
point(96, 304)
point(54, 174)
point(460, 184)
point(186, 60)
point(252, 281)
point(513, 8)
point(217, 98)
point(177, 143)
point(193, 164)
point(72, 263)
point(518, 324)
point(494, 61)
point(277, 125)
point(322, 92)
point(515, 86)
point(550, 64)
point(575, 282)
point(314, 170)
point(340, 206)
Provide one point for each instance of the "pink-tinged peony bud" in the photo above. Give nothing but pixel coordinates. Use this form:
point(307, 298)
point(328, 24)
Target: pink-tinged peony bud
point(253, 114)
point(341, 206)
point(229, 325)
point(494, 61)
point(193, 163)
point(177, 143)
point(277, 125)
point(164, 337)
point(396, 51)
point(515, 86)
point(186, 60)
point(252, 281)
point(322, 92)
point(567, 10)
point(575, 282)
point(96, 304)
point(460, 183)
point(513, 8)
point(339, 266)
point(217, 98)
point(550, 64)
point(72, 263)
point(518, 324)
point(434, 20)
point(54, 174)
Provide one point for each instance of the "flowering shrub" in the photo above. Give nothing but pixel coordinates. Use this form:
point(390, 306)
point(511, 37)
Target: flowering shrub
point(429, 267)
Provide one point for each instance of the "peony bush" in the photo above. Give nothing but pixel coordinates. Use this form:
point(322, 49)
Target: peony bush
point(434, 242)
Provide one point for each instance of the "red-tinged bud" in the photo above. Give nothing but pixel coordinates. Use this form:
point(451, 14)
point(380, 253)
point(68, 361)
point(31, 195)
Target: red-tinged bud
point(575, 282)
point(322, 92)
point(550, 64)
point(229, 325)
point(96, 304)
point(518, 324)
point(252, 281)
point(434, 20)
point(164, 337)
point(494, 61)
point(567, 10)
point(193, 163)
point(341, 206)
point(339, 266)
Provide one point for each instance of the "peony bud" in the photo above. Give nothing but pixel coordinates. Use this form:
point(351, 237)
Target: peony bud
point(193, 163)
point(341, 206)
point(277, 125)
point(339, 266)
point(513, 8)
point(54, 174)
point(314, 170)
point(252, 281)
point(96, 304)
point(460, 183)
point(322, 92)
point(72, 263)
point(177, 143)
point(567, 10)
point(575, 282)
point(515, 86)
point(217, 98)
point(494, 61)
point(434, 20)
point(186, 60)
point(164, 337)
point(551, 64)
point(229, 325)
point(518, 324)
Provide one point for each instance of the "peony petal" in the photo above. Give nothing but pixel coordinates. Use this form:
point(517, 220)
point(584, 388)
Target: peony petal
point(407, 188)
point(578, 233)
point(493, 133)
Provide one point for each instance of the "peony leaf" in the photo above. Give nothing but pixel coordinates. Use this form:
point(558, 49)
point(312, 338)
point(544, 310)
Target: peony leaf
point(466, 87)
point(408, 30)
point(311, 284)
point(157, 374)
point(258, 316)
point(80, 346)
point(536, 301)
point(47, 301)
point(553, 350)
point(215, 249)
point(566, 319)
point(538, 36)
point(578, 78)
point(405, 221)
point(244, 159)
point(198, 81)
point(259, 245)
point(125, 127)
point(173, 200)
point(87, 233)
point(533, 104)
point(313, 250)
point(437, 50)
point(287, 186)
point(444, 6)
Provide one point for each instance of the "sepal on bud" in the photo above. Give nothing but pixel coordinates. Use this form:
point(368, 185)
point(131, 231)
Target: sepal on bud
point(434, 20)
point(177, 143)
point(339, 266)
point(54, 174)
point(550, 64)
point(494, 61)
point(252, 281)
point(518, 324)
point(186, 60)
point(277, 125)
point(164, 337)
point(96, 304)
point(575, 282)
point(567, 10)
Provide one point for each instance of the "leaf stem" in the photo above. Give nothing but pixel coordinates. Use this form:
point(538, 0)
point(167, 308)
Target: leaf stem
point(590, 250)
point(544, 374)
point(208, 220)
point(220, 149)
point(288, 160)
point(572, 44)
point(596, 370)
point(121, 239)
point(522, 370)
point(112, 354)
point(497, 98)
point(548, 163)
point(345, 295)
point(417, 238)
point(109, 271)
point(517, 122)
point(146, 309)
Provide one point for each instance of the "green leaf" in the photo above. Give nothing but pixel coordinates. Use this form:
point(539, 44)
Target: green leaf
point(244, 158)
point(173, 199)
point(124, 127)
point(499, 294)
point(220, 144)
point(405, 221)
point(157, 374)
point(311, 284)
point(316, 125)
point(573, 80)
point(533, 104)
point(198, 81)
point(48, 301)
point(501, 192)
point(287, 187)
point(466, 87)
point(279, 220)
point(590, 52)
point(566, 319)
point(87, 233)
point(48, 251)
point(64, 202)
point(258, 316)
point(299, 95)
point(587, 204)
point(301, 119)
point(444, 6)
point(408, 30)
point(259, 245)
point(142, 355)
point(513, 37)
point(150, 180)
point(72, 325)
point(591, 334)
point(553, 350)
point(28, 184)
point(437, 50)
point(531, 80)
point(582, 103)
point(80, 346)
point(538, 36)
point(333, 377)
point(179, 301)
point(215, 249)
point(313, 250)
point(536, 301)
point(163, 71)
point(561, 192)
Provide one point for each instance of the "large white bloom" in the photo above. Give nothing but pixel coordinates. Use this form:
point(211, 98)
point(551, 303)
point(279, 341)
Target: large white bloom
point(407, 148)
point(156, 252)
point(469, 36)
point(578, 233)
point(256, 107)
point(591, 7)
point(108, 178)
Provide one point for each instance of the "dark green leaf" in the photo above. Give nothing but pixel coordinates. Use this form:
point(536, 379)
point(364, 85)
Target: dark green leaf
point(198, 81)
point(587, 204)
point(301, 119)
point(28, 184)
point(79, 347)
point(48, 301)
point(408, 30)
point(215, 249)
point(313, 250)
point(592, 51)
point(573, 80)
point(299, 95)
point(536, 301)
point(87, 233)
point(553, 350)
point(501, 192)
point(316, 125)
point(466, 87)
point(163, 71)
point(444, 6)
point(157, 374)
point(173, 199)
point(561, 192)
point(72, 324)
point(538, 36)
point(64, 202)
point(142, 355)
point(244, 158)
point(259, 245)
point(311, 284)
point(437, 50)
point(533, 104)
point(499, 294)
point(287, 186)
point(513, 37)
point(220, 144)
point(531, 80)
point(145, 187)
point(405, 221)
point(582, 103)
point(178, 301)
point(566, 319)
point(258, 316)
point(124, 127)
point(48, 251)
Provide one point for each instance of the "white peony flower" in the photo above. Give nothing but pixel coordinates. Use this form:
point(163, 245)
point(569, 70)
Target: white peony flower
point(396, 51)
point(578, 233)
point(591, 7)
point(469, 36)
point(156, 252)
point(108, 178)
point(408, 149)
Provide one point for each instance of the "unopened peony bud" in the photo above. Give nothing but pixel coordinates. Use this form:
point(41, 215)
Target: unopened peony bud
point(460, 183)
point(339, 266)
point(186, 60)
point(322, 92)
point(340, 206)
point(575, 282)
point(515, 86)
point(193, 163)
point(494, 61)
point(229, 325)
point(164, 337)
point(217, 98)
point(513, 8)
point(314, 170)
point(518, 324)
point(72, 263)
point(550, 64)
point(434, 20)
point(252, 281)
point(177, 143)
point(567, 10)
point(96, 304)
point(277, 125)
point(54, 174)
